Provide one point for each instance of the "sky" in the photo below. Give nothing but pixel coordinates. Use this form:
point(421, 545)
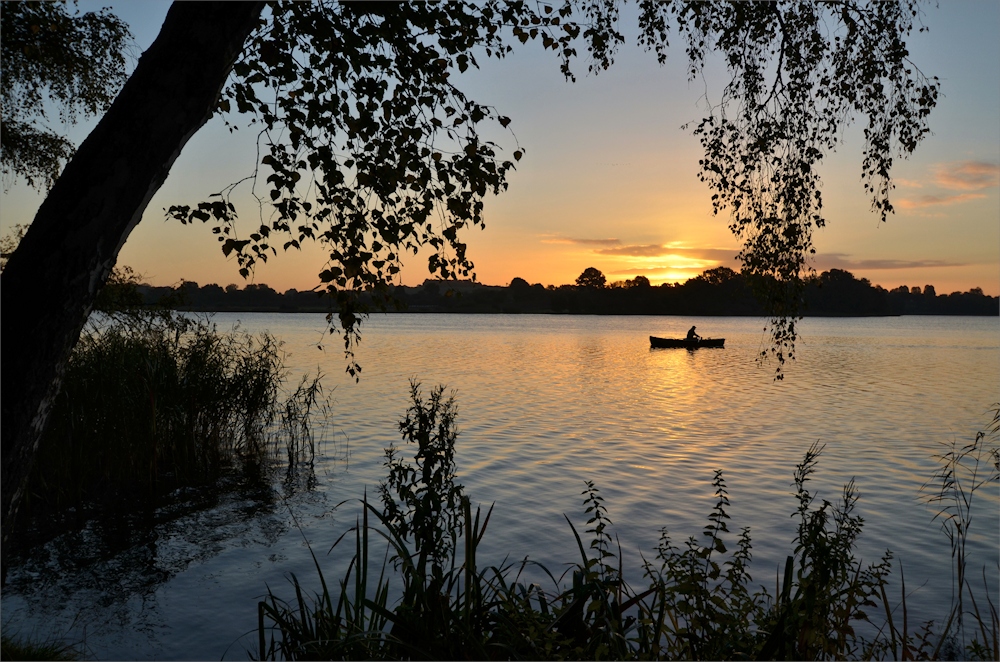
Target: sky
point(609, 177)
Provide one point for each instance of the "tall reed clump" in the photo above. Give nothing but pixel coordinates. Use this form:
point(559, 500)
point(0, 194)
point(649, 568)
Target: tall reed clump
point(14, 647)
point(966, 471)
point(152, 402)
point(696, 600)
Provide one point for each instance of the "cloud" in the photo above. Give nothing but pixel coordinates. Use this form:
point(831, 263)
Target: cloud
point(936, 200)
point(955, 176)
point(659, 250)
point(649, 271)
point(826, 261)
point(716, 254)
point(649, 250)
point(584, 242)
point(967, 175)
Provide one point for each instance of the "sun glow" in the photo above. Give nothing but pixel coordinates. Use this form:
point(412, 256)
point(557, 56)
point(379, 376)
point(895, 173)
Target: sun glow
point(670, 267)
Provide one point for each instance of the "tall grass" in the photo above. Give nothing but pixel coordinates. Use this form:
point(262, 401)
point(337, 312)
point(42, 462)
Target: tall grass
point(154, 402)
point(15, 647)
point(695, 600)
point(965, 470)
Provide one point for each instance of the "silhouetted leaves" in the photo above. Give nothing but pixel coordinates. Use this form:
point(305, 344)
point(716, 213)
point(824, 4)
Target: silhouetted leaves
point(369, 142)
point(591, 277)
point(800, 73)
point(76, 61)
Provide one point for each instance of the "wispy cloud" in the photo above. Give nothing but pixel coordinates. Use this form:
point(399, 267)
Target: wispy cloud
point(937, 200)
point(955, 176)
point(580, 241)
point(967, 175)
point(825, 261)
point(725, 255)
point(660, 250)
point(648, 250)
point(646, 271)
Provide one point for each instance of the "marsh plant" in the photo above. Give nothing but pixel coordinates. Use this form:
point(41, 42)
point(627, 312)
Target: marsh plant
point(154, 402)
point(696, 599)
point(966, 471)
point(15, 647)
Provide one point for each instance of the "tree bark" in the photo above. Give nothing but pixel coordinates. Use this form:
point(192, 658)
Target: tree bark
point(49, 285)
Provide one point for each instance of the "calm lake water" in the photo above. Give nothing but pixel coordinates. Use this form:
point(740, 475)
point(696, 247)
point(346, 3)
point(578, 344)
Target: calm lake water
point(545, 403)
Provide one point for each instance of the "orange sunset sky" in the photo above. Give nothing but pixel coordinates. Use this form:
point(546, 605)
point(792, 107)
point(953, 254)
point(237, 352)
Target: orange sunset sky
point(609, 178)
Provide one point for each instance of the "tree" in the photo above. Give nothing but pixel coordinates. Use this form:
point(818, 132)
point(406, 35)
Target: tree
point(838, 292)
point(373, 150)
point(591, 277)
point(638, 281)
point(718, 275)
point(773, 127)
point(78, 61)
point(518, 284)
point(53, 277)
point(9, 242)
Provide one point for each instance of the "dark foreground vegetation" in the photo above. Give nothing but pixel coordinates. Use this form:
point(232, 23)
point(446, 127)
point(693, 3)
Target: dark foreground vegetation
point(18, 648)
point(159, 410)
point(414, 589)
point(719, 291)
point(159, 415)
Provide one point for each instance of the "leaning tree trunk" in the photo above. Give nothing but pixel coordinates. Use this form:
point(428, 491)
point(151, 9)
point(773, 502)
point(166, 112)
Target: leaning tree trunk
point(49, 285)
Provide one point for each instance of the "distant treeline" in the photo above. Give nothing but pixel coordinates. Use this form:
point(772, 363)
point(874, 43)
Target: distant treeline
point(719, 291)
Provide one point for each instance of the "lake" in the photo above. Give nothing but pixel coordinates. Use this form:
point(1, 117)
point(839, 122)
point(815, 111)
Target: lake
point(545, 403)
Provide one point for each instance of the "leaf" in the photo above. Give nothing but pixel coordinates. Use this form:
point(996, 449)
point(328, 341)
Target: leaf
point(229, 245)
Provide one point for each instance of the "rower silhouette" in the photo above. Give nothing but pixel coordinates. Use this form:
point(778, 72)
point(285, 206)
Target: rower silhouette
point(692, 335)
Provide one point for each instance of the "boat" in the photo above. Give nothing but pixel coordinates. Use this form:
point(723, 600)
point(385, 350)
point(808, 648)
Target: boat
point(684, 343)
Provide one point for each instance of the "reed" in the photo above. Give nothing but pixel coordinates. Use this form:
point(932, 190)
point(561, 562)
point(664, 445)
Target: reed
point(695, 601)
point(155, 402)
point(965, 470)
point(14, 647)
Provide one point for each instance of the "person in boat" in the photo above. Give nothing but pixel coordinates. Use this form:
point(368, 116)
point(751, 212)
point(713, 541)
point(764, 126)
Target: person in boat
point(692, 335)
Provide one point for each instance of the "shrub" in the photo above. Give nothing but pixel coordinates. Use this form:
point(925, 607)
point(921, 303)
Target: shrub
point(697, 601)
point(153, 402)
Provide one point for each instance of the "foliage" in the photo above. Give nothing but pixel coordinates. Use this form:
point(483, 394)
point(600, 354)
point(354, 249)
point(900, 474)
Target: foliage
point(591, 277)
point(123, 300)
point(719, 291)
point(718, 276)
point(374, 150)
point(698, 601)
point(838, 292)
point(75, 61)
point(425, 514)
point(776, 120)
point(19, 648)
point(638, 281)
point(965, 471)
point(154, 402)
point(9, 242)
point(422, 501)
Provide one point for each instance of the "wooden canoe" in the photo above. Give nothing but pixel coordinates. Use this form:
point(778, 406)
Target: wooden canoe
point(684, 343)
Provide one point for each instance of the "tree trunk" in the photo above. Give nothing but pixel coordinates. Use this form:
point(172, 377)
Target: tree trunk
point(51, 281)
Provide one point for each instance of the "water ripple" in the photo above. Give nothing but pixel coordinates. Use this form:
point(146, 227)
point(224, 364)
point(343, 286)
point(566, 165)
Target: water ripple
point(547, 402)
